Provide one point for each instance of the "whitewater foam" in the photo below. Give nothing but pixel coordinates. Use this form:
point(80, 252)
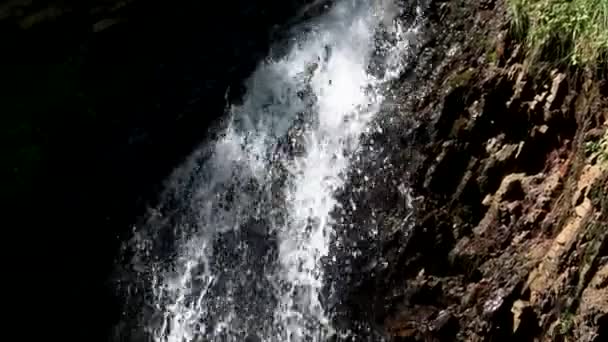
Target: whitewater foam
point(238, 252)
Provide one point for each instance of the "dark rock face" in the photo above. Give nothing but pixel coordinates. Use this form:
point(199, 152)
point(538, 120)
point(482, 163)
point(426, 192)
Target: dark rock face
point(485, 219)
point(101, 100)
point(488, 195)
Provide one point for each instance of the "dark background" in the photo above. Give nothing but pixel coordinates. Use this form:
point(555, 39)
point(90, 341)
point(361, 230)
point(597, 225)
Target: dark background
point(99, 101)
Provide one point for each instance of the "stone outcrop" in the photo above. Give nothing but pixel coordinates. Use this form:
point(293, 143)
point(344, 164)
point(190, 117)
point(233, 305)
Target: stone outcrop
point(491, 200)
point(506, 165)
point(487, 218)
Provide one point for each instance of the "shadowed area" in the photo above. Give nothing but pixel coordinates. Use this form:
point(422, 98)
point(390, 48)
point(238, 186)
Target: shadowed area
point(100, 100)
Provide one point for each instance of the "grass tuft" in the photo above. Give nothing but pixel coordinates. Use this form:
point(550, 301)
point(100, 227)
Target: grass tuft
point(572, 31)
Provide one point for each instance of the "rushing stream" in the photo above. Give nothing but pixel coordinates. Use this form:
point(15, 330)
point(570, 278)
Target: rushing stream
point(235, 251)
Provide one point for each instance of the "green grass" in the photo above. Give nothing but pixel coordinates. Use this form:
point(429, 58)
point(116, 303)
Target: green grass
point(592, 147)
point(571, 31)
point(598, 148)
point(604, 148)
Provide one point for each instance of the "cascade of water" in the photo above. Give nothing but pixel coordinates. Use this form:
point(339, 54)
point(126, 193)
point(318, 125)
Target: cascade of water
point(240, 253)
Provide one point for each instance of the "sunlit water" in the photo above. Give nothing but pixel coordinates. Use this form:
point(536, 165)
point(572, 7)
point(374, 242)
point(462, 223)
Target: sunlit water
point(236, 250)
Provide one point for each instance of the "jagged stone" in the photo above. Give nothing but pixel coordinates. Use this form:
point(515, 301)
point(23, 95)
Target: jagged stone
point(519, 75)
point(517, 216)
point(594, 307)
point(538, 100)
point(515, 54)
point(595, 133)
point(510, 188)
point(534, 217)
point(518, 308)
point(494, 144)
point(445, 325)
point(548, 275)
point(496, 166)
point(495, 303)
point(513, 190)
point(487, 200)
point(512, 185)
point(475, 110)
point(556, 95)
point(471, 294)
point(534, 150)
point(465, 180)
point(507, 153)
point(448, 168)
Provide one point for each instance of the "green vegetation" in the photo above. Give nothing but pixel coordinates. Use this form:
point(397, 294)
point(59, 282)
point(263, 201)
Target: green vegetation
point(572, 31)
point(604, 148)
point(598, 147)
point(461, 79)
point(566, 323)
point(492, 56)
point(592, 147)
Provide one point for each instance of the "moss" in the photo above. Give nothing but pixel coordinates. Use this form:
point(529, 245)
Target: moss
point(461, 79)
point(566, 323)
point(598, 195)
point(573, 31)
point(595, 235)
point(492, 56)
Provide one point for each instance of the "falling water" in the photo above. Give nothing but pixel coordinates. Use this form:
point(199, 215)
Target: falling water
point(235, 251)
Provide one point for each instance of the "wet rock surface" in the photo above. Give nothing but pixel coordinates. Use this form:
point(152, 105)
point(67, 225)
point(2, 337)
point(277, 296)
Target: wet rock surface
point(489, 210)
point(483, 214)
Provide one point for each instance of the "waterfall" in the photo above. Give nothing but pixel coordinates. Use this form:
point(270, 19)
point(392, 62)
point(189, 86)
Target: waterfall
point(235, 251)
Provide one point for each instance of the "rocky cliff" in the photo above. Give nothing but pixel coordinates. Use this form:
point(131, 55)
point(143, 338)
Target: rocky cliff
point(503, 161)
point(494, 210)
